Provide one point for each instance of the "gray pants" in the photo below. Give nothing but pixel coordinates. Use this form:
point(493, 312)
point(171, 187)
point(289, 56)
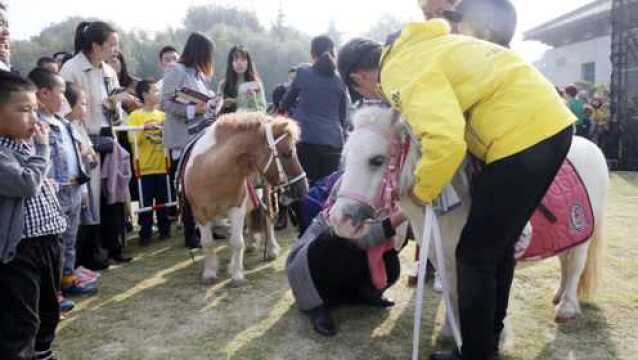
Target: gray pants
point(71, 201)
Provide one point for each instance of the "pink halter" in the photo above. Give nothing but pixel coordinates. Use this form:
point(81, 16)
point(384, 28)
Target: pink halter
point(387, 196)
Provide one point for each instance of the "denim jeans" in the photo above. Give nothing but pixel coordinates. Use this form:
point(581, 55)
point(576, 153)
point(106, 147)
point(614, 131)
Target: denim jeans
point(71, 201)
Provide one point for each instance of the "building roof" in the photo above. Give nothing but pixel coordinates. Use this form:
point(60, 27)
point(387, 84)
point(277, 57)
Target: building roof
point(593, 11)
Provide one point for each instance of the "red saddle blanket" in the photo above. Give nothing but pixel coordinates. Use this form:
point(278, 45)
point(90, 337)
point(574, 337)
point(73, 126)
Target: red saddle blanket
point(563, 220)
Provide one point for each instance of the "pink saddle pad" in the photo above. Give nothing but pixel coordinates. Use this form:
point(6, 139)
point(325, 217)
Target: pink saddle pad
point(565, 218)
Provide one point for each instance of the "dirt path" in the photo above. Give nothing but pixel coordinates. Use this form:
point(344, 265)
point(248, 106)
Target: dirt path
point(155, 308)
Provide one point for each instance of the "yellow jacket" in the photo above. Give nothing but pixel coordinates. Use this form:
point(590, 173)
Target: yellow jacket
point(436, 80)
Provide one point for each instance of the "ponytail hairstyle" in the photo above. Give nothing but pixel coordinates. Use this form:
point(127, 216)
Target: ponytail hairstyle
point(230, 82)
point(199, 54)
point(89, 33)
point(322, 48)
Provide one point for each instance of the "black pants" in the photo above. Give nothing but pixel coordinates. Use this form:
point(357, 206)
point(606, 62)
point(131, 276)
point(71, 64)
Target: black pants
point(112, 227)
point(340, 270)
point(29, 310)
point(318, 160)
point(504, 197)
point(154, 187)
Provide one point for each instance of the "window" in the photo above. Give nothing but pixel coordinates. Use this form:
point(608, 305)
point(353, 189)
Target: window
point(588, 72)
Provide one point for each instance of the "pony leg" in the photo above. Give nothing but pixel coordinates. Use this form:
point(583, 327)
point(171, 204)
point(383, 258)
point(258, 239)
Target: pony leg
point(252, 223)
point(210, 264)
point(237, 217)
point(563, 279)
point(574, 263)
point(273, 248)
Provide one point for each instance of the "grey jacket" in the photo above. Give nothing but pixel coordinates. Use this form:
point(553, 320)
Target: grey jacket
point(297, 268)
point(177, 123)
point(20, 178)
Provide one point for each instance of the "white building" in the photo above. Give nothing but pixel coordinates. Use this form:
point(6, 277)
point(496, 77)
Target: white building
point(581, 45)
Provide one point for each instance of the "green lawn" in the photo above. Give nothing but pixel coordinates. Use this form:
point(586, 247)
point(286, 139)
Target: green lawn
point(155, 308)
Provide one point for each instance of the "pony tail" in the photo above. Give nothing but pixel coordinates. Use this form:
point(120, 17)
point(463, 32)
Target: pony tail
point(80, 43)
point(326, 64)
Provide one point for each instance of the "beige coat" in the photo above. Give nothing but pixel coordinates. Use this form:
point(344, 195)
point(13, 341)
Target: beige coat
point(94, 81)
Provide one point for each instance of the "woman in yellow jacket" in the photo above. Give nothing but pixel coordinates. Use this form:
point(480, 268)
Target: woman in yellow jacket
point(461, 94)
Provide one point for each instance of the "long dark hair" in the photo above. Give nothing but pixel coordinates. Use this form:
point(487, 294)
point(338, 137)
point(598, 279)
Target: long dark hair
point(89, 33)
point(322, 48)
point(230, 82)
point(123, 76)
point(199, 53)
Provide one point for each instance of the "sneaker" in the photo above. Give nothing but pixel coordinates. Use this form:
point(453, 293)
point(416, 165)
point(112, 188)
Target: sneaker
point(80, 289)
point(66, 305)
point(83, 273)
point(45, 355)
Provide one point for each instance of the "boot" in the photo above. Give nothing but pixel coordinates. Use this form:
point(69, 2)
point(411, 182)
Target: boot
point(322, 321)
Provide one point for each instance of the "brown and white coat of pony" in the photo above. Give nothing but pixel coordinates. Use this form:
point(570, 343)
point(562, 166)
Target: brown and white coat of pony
point(234, 149)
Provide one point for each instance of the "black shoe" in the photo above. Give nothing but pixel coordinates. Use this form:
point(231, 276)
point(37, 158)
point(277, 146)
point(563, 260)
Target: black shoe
point(322, 321)
point(445, 355)
point(164, 236)
point(218, 236)
point(121, 259)
point(373, 297)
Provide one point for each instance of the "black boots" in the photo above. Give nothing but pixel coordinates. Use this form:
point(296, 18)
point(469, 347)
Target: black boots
point(322, 321)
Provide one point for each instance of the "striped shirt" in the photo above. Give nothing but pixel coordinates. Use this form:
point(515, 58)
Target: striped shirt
point(42, 212)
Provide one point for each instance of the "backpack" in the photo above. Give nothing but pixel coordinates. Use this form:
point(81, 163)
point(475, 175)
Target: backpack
point(315, 200)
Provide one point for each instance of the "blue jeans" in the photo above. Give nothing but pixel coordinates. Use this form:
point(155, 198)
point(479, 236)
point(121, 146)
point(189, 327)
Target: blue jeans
point(71, 202)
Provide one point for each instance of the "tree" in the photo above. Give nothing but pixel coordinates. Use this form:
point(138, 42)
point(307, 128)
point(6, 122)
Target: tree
point(279, 27)
point(226, 25)
point(203, 18)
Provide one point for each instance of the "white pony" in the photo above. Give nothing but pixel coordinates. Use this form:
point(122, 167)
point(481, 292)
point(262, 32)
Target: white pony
point(368, 146)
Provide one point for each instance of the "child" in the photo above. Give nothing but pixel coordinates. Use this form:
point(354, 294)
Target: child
point(66, 171)
point(31, 222)
point(151, 161)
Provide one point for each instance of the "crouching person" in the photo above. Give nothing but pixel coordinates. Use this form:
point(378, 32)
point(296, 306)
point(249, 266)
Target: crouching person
point(326, 271)
point(31, 222)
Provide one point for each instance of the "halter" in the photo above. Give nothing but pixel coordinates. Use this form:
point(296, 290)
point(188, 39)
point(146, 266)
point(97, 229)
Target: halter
point(386, 198)
point(274, 158)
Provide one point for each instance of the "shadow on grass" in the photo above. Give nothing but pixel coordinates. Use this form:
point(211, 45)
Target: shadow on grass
point(587, 337)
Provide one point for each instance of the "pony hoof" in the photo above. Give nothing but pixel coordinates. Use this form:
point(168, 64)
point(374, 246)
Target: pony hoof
point(561, 319)
point(250, 249)
point(273, 254)
point(209, 280)
point(235, 283)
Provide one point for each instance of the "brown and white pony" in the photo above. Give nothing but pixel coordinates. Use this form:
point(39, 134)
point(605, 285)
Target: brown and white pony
point(236, 148)
point(367, 154)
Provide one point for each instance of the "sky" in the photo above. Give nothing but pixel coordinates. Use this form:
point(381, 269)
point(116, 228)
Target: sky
point(352, 17)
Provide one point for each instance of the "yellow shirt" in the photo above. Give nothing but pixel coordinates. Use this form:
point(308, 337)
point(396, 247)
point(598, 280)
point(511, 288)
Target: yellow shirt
point(150, 155)
point(436, 80)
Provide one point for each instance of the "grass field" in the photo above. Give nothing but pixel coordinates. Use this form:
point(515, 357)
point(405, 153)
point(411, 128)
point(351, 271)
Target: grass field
point(155, 308)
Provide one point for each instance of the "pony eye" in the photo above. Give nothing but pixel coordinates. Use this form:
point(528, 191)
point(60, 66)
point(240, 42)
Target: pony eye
point(377, 161)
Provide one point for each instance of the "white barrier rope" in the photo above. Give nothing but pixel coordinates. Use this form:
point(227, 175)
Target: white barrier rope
point(431, 230)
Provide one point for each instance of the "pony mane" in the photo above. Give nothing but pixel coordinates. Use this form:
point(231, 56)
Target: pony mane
point(283, 124)
point(373, 115)
point(239, 121)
